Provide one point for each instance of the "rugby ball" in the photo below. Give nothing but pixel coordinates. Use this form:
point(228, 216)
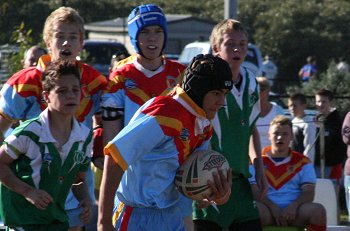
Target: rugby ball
point(192, 176)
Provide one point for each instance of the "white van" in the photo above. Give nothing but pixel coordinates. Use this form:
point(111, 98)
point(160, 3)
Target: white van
point(253, 60)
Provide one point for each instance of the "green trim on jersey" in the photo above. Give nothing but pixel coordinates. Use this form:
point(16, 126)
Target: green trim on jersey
point(55, 178)
point(240, 208)
point(236, 127)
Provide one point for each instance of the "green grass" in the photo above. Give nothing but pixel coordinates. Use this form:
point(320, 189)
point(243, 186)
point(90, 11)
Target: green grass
point(344, 218)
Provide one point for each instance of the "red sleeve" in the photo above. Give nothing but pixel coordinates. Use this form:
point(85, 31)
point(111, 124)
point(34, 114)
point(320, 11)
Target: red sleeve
point(97, 149)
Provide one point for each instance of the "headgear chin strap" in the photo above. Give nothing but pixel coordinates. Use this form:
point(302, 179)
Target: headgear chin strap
point(206, 73)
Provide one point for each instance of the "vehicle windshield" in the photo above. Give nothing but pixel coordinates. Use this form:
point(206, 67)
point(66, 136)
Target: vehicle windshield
point(101, 53)
point(188, 53)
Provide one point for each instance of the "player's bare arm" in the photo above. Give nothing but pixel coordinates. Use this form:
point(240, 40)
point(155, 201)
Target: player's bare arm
point(112, 174)
point(80, 191)
point(111, 127)
point(37, 197)
point(255, 156)
point(5, 124)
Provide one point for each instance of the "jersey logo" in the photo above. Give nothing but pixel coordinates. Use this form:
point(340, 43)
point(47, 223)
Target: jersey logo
point(253, 98)
point(130, 84)
point(80, 157)
point(184, 135)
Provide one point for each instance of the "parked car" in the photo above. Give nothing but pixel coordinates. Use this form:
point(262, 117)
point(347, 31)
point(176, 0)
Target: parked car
point(172, 56)
point(253, 60)
point(100, 52)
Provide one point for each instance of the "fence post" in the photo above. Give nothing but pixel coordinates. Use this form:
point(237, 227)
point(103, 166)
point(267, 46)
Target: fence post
point(322, 146)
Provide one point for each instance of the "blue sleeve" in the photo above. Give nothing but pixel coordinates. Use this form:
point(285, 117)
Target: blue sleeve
point(308, 174)
point(138, 138)
point(25, 107)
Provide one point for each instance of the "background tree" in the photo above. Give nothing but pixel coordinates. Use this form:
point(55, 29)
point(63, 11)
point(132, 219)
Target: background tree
point(22, 37)
point(288, 31)
point(14, 12)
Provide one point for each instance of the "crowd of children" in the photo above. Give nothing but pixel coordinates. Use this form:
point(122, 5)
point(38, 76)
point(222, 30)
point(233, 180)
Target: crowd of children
point(147, 117)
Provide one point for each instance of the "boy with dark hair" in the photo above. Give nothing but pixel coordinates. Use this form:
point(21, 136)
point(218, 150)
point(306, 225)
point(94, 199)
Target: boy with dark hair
point(44, 156)
point(334, 148)
point(157, 140)
point(304, 130)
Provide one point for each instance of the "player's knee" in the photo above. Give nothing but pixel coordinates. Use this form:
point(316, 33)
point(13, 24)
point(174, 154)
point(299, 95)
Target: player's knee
point(265, 214)
point(312, 213)
point(319, 212)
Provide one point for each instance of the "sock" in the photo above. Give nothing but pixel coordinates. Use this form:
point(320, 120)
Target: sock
point(312, 227)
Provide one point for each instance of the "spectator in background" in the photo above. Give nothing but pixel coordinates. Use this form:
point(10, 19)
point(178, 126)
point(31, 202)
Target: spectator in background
point(292, 180)
point(32, 55)
point(346, 139)
point(270, 70)
point(334, 148)
point(304, 130)
point(116, 57)
point(343, 66)
point(309, 70)
point(269, 110)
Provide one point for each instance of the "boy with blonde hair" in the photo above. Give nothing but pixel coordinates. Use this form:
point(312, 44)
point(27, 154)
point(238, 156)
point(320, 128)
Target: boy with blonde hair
point(234, 126)
point(291, 177)
point(63, 35)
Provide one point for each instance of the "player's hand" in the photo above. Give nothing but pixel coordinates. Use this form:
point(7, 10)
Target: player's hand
point(290, 213)
point(277, 215)
point(221, 187)
point(203, 203)
point(86, 214)
point(39, 198)
point(105, 226)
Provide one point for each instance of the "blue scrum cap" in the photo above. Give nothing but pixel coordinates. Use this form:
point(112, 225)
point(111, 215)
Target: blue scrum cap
point(146, 15)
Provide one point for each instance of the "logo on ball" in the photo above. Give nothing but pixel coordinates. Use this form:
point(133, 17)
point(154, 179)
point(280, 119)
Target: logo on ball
point(215, 161)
